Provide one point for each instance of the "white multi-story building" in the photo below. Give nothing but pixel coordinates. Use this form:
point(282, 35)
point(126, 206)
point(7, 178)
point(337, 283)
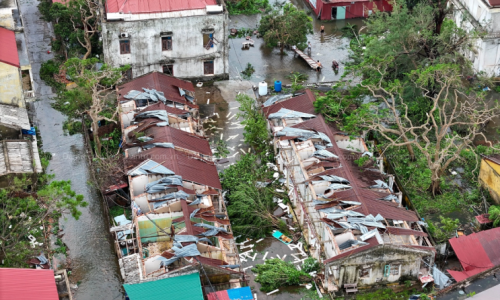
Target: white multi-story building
point(187, 39)
point(485, 15)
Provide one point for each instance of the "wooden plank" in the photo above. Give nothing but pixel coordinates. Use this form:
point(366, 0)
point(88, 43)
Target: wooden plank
point(308, 60)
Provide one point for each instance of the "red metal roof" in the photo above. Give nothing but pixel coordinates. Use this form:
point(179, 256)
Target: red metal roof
point(161, 82)
point(302, 103)
point(27, 284)
point(8, 48)
point(476, 252)
point(179, 138)
point(155, 6)
point(483, 219)
point(220, 295)
point(190, 168)
point(494, 3)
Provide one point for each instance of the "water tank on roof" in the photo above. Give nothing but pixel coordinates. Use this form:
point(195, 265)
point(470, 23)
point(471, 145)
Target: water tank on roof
point(262, 88)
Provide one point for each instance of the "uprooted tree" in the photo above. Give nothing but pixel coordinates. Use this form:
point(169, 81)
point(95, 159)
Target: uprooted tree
point(275, 273)
point(454, 120)
point(23, 213)
point(286, 26)
point(94, 95)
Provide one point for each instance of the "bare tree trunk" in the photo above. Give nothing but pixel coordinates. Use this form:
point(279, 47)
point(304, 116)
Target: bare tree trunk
point(88, 46)
point(435, 187)
point(282, 48)
point(95, 134)
point(409, 147)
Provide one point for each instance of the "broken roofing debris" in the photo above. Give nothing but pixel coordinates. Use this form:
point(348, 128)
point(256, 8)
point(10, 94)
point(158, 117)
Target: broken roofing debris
point(179, 219)
point(347, 212)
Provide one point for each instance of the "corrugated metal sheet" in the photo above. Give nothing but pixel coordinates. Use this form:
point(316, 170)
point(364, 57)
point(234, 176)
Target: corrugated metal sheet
point(8, 48)
point(186, 287)
point(404, 231)
point(161, 82)
point(179, 138)
point(27, 284)
point(189, 168)
point(155, 6)
point(243, 293)
point(220, 295)
point(302, 103)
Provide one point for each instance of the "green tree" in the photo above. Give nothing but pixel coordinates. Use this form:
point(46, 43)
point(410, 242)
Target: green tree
point(286, 26)
point(276, 273)
point(494, 212)
point(94, 95)
point(24, 212)
point(256, 134)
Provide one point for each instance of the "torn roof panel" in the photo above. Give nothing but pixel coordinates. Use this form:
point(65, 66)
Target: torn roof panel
point(190, 168)
point(163, 106)
point(150, 167)
point(404, 231)
point(372, 242)
point(302, 103)
point(161, 82)
point(285, 113)
point(14, 117)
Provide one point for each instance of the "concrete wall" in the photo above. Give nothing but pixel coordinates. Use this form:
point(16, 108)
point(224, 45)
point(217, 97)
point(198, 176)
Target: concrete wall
point(475, 13)
point(375, 259)
point(187, 54)
point(489, 178)
point(11, 92)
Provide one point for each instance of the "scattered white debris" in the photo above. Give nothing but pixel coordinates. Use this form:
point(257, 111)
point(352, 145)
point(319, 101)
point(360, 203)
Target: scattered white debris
point(280, 191)
point(283, 258)
point(308, 286)
point(277, 255)
point(277, 290)
point(254, 257)
point(234, 107)
point(208, 101)
point(221, 135)
point(248, 246)
point(244, 269)
point(265, 255)
point(243, 151)
point(228, 114)
point(258, 241)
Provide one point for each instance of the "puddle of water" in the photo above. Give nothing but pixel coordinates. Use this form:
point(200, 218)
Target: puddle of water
point(270, 65)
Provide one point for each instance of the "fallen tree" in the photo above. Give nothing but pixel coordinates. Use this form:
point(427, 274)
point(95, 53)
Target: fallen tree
point(275, 273)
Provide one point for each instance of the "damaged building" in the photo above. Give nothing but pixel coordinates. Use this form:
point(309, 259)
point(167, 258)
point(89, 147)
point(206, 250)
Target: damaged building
point(186, 39)
point(352, 217)
point(179, 221)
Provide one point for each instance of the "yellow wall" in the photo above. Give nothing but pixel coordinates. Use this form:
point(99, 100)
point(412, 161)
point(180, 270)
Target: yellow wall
point(489, 179)
point(11, 91)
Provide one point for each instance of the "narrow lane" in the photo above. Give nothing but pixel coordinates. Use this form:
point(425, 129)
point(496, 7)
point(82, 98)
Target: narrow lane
point(92, 258)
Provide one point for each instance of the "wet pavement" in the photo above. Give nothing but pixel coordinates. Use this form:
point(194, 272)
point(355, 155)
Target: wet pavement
point(270, 65)
point(475, 287)
point(91, 255)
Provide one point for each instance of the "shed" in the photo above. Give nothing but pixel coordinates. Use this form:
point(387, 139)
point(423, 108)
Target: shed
point(180, 287)
point(243, 293)
point(14, 283)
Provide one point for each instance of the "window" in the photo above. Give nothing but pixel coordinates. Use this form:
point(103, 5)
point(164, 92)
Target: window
point(208, 67)
point(395, 269)
point(166, 43)
point(124, 46)
point(365, 272)
point(168, 69)
point(208, 41)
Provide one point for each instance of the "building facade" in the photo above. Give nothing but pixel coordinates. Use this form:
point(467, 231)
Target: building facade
point(482, 15)
point(186, 39)
point(351, 212)
point(341, 9)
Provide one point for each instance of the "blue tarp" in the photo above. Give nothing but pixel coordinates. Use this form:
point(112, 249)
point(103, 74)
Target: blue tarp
point(32, 131)
point(243, 293)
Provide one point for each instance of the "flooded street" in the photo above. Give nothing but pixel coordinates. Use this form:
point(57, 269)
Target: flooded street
point(270, 65)
point(92, 259)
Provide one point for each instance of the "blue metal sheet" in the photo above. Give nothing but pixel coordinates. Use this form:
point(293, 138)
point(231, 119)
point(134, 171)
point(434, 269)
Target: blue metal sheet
point(243, 293)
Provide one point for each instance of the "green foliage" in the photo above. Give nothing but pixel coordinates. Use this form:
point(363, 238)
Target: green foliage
point(275, 273)
point(310, 265)
point(72, 127)
point(286, 26)
point(221, 148)
point(297, 77)
point(362, 160)
point(256, 134)
point(386, 294)
point(61, 247)
point(247, 7)
point(111, 142)
point(242, 32)
point(47, 71)
point(24, 212)
point(247, 170)
point(249, 70)
point(494, 212)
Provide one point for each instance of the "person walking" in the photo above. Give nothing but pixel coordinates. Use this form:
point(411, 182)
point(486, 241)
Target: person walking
point(309, 47)
point(322, 29)
point(318, 69)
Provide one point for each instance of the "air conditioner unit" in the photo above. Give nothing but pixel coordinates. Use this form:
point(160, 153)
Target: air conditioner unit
point(124, 35)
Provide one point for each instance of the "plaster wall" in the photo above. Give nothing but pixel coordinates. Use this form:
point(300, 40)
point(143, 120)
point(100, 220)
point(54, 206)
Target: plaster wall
point(489, 178)
point(11, 92)
point(188, 52)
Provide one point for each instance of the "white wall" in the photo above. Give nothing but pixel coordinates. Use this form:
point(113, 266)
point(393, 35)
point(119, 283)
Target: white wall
point(187, 54)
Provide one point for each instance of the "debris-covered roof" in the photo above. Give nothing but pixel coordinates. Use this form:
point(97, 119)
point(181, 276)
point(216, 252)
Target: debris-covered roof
point(179, 138)
point(14, 117)
point(161, 82)
point(190, 168)
point(27, 284)
point(302, 103)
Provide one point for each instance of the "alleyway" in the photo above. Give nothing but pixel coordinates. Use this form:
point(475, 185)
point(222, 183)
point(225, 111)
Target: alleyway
point(92, 258)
